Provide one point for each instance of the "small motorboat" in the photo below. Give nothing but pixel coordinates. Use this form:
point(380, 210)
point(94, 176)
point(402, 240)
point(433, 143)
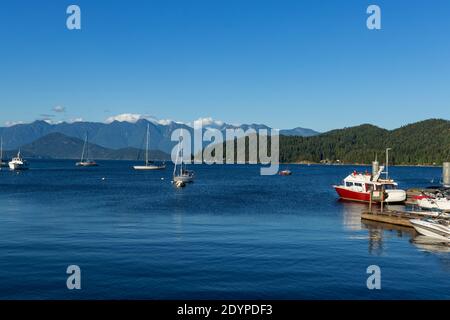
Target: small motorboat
point(285, 173)
point(429, 203)
point(434, 228)
point(18, 163)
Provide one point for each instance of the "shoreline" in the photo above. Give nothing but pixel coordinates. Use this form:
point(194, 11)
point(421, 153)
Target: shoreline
point(281, 163)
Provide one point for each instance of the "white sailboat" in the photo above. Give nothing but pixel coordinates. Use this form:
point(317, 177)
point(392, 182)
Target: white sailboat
point(182, 175)
point(85, 161)
point(3, 164)
point(149, 165)
point(18, 163)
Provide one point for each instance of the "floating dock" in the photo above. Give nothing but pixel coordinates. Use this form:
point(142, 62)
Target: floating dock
point(398, 218)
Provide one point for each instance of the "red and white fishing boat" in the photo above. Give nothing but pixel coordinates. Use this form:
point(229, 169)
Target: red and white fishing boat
point(361, 186)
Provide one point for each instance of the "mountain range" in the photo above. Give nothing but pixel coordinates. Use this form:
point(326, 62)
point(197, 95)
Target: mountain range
point(119, 134)
point(59, 146)
point(424, 142)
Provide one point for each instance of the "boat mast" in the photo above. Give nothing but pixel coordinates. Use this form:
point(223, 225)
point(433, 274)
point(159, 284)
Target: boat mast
point(181, 156)
point(176, 159)
point(146, 149)
point(84, 148)
point(1, 150)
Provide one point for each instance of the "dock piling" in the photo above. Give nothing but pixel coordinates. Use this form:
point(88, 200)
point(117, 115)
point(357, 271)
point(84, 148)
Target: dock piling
point(446, 174)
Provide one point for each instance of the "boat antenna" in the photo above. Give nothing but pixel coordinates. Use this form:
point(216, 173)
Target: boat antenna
point(387, 163)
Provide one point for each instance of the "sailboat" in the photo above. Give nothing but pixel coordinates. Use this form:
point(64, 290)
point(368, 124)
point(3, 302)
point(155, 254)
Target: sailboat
point(85, 161)
point(182, 175)
point(3, 164)
point(149, 165)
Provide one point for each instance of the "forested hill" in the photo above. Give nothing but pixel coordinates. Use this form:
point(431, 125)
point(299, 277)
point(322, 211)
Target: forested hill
point(425, 142)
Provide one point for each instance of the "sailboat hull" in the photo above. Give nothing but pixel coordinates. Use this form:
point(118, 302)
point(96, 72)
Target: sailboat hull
point(149, 167)
point(185, 179)
point(86, 164)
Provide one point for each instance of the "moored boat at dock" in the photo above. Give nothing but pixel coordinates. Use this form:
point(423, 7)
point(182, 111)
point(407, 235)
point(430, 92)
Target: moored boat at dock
point(438, 203)
point(433, 228)
point(362, 187)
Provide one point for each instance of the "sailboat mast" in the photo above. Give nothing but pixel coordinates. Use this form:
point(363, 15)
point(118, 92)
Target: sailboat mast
point(1, 150)
point(87, 146)
point(147, 146)
point(176, 159)
point(84, 148)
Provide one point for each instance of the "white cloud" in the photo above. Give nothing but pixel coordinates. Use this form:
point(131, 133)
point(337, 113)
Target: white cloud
point(13, 123)
point(59, 109)
point(135, 117)
point(75, 120)
point(51, 121)
point(207, 123)
point(125, 117)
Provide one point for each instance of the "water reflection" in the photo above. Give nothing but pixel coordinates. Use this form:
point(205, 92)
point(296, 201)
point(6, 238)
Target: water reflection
point(352, 215)
point(378, 232)
point(430, 245)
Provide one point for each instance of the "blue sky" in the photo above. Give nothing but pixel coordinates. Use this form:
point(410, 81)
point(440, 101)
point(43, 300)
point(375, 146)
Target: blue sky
point(283, 63)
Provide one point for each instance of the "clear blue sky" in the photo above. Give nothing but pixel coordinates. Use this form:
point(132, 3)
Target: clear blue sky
point(283, 63)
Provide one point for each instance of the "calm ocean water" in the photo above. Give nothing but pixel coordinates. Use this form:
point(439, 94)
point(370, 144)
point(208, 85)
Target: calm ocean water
point(231, 234)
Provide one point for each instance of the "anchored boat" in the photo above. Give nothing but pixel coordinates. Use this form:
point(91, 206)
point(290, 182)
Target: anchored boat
point(286, 172)
point(18, 163)
point(149, 165)
point(85, 161)
point(182, 175)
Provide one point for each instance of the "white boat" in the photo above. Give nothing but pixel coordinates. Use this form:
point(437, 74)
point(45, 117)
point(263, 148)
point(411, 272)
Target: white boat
point(434, 228)
point(18, 163)
point(429, 203)
point(85, 161)
point(3, 164)
point(149, 165)
point(182, 175)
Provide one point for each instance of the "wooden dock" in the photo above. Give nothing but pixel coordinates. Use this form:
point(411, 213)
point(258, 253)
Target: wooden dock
point(399, 218)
